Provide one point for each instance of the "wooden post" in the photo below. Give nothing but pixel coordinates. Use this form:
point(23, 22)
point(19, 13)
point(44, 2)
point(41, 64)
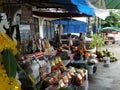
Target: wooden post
point(96, 22)
point(88, 24)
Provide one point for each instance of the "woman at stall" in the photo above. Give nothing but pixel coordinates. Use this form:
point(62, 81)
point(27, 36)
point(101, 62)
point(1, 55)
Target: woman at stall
point(70, 41)
point(81, 41)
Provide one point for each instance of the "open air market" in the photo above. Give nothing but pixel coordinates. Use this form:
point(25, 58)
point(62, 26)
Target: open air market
point(59, 45)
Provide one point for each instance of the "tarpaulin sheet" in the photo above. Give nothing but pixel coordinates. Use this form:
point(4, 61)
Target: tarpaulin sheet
point(71, 5)
point(71, 25)
point(75, 28)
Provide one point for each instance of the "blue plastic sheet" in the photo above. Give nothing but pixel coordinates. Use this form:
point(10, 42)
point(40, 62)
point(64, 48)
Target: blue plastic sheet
point(75, 28)
point(67, 21)
point(71, 25)
point(83, 7)
point(75, 6)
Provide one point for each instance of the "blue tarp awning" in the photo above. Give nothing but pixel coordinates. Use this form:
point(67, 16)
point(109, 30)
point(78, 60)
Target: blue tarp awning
point(66, 21)
point(75, 28)
point(75, 6)
point(83, 7)
point(71, 25)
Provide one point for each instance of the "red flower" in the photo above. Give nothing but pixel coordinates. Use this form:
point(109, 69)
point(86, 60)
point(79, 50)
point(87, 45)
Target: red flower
point(86, 54)
point(81, 51)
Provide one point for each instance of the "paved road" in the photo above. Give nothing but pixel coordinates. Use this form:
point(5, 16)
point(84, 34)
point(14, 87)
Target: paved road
point(107, 78)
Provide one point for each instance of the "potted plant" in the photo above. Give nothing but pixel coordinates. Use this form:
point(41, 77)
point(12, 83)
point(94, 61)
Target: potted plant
point(85, 55)
point(97, 42)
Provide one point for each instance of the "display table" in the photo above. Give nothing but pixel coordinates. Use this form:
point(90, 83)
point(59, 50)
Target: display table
point(41, 62)
point(79, 63)
point(83, 86)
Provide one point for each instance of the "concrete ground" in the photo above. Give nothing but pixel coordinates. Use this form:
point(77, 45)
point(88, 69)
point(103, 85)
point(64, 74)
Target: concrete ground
point(107, 78)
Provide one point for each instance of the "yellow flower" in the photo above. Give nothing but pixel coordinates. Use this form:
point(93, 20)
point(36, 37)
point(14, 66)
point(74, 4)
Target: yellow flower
point(1, 48)
point(13, 84)
point(7, 43)
point(7, 83)
point(14, 51)
point(4, 82)
point(2, 69)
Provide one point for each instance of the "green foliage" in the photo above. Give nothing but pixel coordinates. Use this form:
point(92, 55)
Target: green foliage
point(112, 20)
point(106, 53)
point(10, 63)
point(97, 41)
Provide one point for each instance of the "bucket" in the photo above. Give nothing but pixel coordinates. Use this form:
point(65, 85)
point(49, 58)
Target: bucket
point(90, 69)
point(106, 61)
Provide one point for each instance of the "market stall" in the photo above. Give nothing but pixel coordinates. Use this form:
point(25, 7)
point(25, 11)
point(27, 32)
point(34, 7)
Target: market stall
point(44, 67)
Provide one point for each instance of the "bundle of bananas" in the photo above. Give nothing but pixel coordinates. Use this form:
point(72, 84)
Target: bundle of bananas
point(107, 53)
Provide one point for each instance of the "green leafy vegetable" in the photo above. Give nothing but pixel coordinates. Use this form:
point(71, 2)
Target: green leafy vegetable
point(10, 63)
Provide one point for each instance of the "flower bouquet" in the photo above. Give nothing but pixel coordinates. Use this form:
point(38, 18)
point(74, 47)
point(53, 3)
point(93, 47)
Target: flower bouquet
point(91, 62)
point(92, 59)
point(85, 55)
point(8, 64)
point(81, 54)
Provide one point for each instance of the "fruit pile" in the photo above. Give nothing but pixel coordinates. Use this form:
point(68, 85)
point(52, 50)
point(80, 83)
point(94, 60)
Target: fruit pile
point(107, 53)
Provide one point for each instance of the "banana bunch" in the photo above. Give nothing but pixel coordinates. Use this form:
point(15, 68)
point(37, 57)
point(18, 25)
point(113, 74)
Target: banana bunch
point(107, 53)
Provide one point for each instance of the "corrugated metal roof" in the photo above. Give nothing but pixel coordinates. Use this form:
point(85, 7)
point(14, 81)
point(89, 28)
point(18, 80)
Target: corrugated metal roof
point(112, 4)
point(108, 4)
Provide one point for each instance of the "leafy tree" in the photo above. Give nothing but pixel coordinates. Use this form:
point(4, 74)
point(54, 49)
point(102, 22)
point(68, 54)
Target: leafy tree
point(113, 20)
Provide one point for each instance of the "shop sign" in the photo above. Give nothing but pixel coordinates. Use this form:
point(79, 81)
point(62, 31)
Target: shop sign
point(26, 13)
